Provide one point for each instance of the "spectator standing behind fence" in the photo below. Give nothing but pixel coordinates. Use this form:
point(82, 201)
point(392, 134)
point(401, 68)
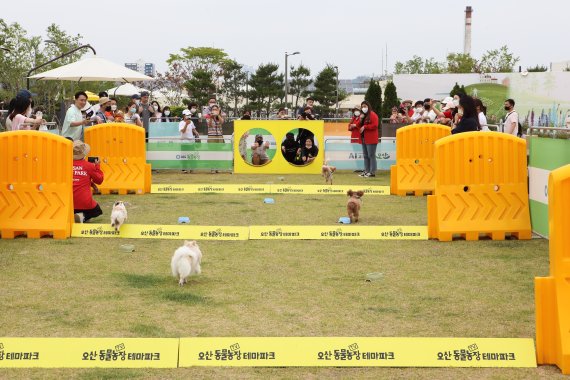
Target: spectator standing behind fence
point(246, 115)
point(369, 135)
point(354, 126)
point(512, 118)
point(469, 120)
point(481, 114)
point(166, 114)
point(132, 116)
point(20, 116)
point(215, 121)
point(74, 120)
point(100, 116)
point(188, 129)
point(207, 110)
point(157, 110)
point(310, 104)
point(145, 110)
point(85, 175)
point(418, 111)
point(111, 109)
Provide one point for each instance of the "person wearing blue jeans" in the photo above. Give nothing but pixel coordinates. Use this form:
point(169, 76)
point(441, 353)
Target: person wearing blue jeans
point(369, 134)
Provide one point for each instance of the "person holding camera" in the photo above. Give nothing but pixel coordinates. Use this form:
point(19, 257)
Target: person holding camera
point(86, 174)
point(215, 121)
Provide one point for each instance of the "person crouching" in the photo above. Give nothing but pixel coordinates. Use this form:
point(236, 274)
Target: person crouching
point(85, 175)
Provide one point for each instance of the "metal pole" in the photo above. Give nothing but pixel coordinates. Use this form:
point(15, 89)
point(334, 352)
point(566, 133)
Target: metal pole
point(286, 82)
point(336, 112)
point(55, 59)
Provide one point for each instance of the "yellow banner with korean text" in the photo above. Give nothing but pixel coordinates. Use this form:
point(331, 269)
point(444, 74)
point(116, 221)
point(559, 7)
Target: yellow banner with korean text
point(338, 232)
point(265, 189)
point(149, 231)
point(356, 352)
point(89, 352)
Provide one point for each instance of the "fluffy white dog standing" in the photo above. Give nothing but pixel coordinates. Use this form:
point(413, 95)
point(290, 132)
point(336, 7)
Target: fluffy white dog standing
point(118, 215)
point(186, 261)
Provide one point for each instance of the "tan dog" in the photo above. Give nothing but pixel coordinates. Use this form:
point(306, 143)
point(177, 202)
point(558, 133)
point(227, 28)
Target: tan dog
point(327, 172)
point(353, 205)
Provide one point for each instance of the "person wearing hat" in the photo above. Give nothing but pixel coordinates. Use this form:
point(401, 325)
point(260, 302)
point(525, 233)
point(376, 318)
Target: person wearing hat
point(85, 175)
point(100, 116)
point(354, 126)
point(259, 156)
point(74, 121)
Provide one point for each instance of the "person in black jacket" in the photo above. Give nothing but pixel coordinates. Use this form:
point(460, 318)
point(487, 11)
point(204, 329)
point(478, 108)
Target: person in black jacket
point(469, 119)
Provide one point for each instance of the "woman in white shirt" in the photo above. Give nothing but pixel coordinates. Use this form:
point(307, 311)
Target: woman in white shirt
point(20, 116)
point(481, 110)
point(157, 111)
point(132, 116)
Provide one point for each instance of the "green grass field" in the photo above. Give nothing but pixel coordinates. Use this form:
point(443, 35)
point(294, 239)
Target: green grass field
point(89, 288)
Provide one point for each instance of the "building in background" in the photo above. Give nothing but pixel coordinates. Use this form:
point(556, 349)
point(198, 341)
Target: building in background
point(142, 67)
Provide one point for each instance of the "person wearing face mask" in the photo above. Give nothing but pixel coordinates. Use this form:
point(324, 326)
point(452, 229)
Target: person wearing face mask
point(512, 119)
point(429, 114)
point(132, 116)
point(20, 116)
point(369, 135)
point(215, 121)
point(206, 111)
point(74, 121)
point(100, 116)
point(111, 109)
point(165, 114)
point(418, 111)
point(259, 155)
point(354, 126)
point(157, 111)
point(455, 112)
point(469, 119)
point(481, 114)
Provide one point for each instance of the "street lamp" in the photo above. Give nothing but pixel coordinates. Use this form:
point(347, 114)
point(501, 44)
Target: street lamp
point(286, 74)
point(336, 112)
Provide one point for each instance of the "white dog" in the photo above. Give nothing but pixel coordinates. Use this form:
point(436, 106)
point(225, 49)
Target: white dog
point(118, 215)
point(186, 261)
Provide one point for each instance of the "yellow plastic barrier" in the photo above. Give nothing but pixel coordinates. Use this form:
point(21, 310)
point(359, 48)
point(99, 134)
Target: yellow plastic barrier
point(36, 185)
point(552, 293)
point(413, 172)
point(122, 153)
point(480, 187)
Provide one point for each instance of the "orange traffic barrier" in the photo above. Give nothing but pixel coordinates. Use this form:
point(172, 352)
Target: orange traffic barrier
point(122, 153)
point(413, 172)
point(480, 187)
point(552, 293)
point(36, 185)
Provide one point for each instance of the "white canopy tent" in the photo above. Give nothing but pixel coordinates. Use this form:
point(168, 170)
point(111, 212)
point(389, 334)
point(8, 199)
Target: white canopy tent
point(92, 69)
point(126, 89)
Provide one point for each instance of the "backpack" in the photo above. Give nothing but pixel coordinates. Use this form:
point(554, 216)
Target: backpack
point(519, 129)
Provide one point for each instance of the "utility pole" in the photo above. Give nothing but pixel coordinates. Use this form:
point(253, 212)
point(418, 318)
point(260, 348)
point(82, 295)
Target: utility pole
point(336, 112)
point(286, 79)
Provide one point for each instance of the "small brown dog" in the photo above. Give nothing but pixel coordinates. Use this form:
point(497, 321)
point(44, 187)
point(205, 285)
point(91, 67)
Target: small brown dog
point(353, 205)
point(327, 172)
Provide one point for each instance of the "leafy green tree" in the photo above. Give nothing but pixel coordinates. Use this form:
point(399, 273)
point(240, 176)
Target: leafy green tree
point(374, 96)
point(171, 83)
point(233, 86)
point(537, 69)
point(200, 86)
point(456, 90)
point(325, 89)
point(266, 86)
point(417, 65)
point(390, 99)
point(300, 81)
point(498, 61)
point(193, 58)
point(459, 63)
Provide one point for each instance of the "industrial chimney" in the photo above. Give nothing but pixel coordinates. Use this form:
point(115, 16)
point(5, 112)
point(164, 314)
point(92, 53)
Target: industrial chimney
point(467, 41)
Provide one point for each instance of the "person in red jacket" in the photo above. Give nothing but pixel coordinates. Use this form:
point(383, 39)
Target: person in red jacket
point(369, 134)
point(354, 126)
point(85, 175)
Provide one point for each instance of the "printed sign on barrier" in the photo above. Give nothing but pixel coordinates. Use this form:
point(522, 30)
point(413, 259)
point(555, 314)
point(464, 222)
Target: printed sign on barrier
point(346, 156)
point(148, 231)
point(209, 188)
point(338, 232)
point(356, 352)
point(89, 352)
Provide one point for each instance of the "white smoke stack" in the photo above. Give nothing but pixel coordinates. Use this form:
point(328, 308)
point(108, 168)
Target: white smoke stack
point(467, 41)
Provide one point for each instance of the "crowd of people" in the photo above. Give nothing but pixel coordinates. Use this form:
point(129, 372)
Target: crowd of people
point(463, 113)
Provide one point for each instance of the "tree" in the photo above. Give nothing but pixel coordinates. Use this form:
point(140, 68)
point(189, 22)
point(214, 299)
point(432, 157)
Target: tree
point(266, 86)
point(193, 58)
point(498, 61)
point(200, 86)
point(537, 69)
point(171, 84)
point(459, 63)
point(234, 83)
point(300, 81)
point(417, 65)
point(390, 99)
point(374, 96)
point(325, 88)
point(457, 90)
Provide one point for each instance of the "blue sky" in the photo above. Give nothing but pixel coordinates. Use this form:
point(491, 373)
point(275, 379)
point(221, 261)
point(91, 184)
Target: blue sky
point(345, 33)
